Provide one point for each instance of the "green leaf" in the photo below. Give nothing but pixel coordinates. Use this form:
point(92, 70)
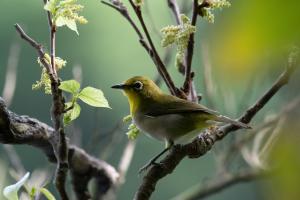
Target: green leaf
point(47, 194)
point(71, 114)
point(71, 86)
point(70, 23)
point(93, 97)
point(11, 192)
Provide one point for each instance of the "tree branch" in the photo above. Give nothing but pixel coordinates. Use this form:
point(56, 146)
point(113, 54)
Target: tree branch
point(57, 110)
point(200, 191)
point(16, 129)
point(201, 145)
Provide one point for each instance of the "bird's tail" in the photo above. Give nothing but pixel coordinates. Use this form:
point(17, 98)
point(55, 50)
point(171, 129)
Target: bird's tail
point(225, 119)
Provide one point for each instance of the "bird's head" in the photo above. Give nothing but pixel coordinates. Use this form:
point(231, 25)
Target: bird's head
point(139, 89)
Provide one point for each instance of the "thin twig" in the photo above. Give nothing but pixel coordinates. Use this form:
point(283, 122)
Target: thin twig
point(11, 73)
point(48, 15)
point(37, 46)
point(236, 146)
point(14, 159)
point(153, 27)
point(201, 191)
point(190, 52)
point(175, 9)
point(157, 60)
point(125, 160)
point(209, 87)
point(124, 12)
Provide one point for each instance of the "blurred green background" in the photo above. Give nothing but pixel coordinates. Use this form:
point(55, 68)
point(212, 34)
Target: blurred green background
point(247, 47)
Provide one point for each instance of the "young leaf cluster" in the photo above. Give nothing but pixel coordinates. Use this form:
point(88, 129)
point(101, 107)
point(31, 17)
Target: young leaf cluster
point(178, 35)
point(65, 13)
point(207, 12)
point(44, 81)
point(133, 131)
point(89, 95)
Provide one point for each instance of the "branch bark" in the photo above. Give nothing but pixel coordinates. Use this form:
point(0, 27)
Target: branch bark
point(18, 129)
point(201, 145)
point(57, 110)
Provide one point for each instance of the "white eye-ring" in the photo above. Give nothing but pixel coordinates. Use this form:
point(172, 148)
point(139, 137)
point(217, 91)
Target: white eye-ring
point(138, 85)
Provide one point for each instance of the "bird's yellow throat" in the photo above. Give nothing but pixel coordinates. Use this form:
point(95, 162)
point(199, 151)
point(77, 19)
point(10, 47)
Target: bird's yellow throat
point(133, 99)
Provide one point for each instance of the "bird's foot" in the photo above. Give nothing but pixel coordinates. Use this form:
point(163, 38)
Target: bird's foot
point(147, 166)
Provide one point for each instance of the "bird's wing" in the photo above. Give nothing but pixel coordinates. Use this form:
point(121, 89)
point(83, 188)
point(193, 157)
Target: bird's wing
point(174, 105)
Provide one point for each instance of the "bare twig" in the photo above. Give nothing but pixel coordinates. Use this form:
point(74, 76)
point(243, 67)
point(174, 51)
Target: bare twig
point(120, 7)
point(209, 87)
point(11, 74)
point(124, 12)
point(204, 143)
point(48, 16)
point(37, 46)
point(156, 58)
point(238, 144)
point(16, 129)
point(218, 184)
point(126, 159)
point(175, 9)
point(14, 159)
point(153, 27)
point(115, 138)
point(166, 60)
point(190, 52)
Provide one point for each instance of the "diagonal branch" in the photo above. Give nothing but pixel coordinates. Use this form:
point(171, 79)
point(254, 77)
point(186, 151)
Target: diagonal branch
point(156, 58)
point(118, 6)
point(17, 129)
point(220, 183)
point(200, 146)
point(37, 46)
point(151, 50)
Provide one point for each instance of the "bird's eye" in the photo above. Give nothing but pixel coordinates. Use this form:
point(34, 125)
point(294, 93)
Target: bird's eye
point(138, 85)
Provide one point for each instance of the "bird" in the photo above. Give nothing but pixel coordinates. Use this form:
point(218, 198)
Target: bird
point(166, 117)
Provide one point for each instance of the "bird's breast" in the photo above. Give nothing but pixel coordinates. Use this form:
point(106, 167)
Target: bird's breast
point(165, 127)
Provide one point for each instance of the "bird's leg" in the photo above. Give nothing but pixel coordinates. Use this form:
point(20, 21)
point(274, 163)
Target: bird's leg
point(169, 144)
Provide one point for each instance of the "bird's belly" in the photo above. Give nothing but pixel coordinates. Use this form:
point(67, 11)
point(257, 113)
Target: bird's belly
point(166, 127)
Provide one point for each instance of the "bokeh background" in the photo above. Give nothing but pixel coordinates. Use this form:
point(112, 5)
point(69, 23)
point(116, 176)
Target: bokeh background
point(246, 47)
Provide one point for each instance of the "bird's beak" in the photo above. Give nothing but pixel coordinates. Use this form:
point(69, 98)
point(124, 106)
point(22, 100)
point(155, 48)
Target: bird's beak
point(119, 86)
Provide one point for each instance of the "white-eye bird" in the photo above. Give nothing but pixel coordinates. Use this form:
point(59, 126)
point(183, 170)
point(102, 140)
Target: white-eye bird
point(166, 117)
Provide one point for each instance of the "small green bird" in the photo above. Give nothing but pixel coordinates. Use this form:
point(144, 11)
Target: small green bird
point(166, 117)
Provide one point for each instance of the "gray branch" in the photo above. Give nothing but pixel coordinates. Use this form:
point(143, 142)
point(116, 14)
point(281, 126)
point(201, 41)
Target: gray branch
point(21, 129)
